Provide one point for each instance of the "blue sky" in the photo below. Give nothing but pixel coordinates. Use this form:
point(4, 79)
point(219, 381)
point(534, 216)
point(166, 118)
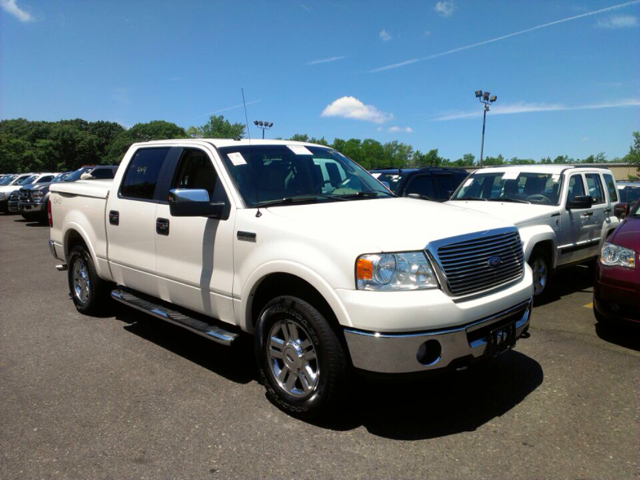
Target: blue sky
point(566, 73)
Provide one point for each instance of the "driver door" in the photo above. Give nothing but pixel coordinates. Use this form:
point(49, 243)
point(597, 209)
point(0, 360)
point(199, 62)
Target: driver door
point(195, 254)
point(574, 236)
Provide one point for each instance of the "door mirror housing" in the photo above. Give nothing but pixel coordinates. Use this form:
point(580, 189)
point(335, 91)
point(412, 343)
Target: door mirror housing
point(187, 202)
point(579, 202)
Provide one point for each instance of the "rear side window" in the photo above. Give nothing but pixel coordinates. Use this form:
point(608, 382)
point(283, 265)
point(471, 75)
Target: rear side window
point(595, 187)
point(422, 185)
point(45, 179)
point(103, 173)
point(611, 187)
point(142, 174)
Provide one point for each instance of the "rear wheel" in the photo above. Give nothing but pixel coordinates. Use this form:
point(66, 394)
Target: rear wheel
point(301, 361)
point(88, 291)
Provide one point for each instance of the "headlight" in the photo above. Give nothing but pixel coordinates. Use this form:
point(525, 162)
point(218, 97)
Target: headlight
point(1, 195)
point(613, 255)
point(395, 272)
point(37, 195)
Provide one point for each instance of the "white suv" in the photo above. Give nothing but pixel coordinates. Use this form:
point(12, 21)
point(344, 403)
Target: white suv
point(563, 213)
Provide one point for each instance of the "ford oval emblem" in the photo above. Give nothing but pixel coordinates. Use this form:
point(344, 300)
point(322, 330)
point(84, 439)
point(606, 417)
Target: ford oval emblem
point(494, 261)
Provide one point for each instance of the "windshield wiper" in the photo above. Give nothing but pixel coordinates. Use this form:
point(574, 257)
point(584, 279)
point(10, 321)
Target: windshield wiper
point(365, 195)
point(297, 199)
point(422, 197)
point(513, 200)
point(470, 198)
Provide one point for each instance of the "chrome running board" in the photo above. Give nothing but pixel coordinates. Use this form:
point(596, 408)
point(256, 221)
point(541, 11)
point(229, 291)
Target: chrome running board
point(204, 329)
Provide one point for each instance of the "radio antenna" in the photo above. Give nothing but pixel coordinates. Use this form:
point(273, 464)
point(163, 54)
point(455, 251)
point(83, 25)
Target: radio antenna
point(255, 182)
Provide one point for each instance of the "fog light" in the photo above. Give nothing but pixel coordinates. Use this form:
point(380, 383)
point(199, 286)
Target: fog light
point(429, 352)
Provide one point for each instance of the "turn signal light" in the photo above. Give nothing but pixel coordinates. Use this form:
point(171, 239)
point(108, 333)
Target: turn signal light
point(364, 269)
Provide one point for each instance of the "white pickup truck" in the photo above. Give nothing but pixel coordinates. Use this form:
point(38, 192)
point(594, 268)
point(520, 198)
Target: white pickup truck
point(564, 213)
point(300, 246)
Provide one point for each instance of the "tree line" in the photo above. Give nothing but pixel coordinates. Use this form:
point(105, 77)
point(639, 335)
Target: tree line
point(30, 146)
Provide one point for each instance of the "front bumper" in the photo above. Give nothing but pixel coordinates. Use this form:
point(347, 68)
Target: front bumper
point(616, 294)
point(31, 207)
point(405, 353)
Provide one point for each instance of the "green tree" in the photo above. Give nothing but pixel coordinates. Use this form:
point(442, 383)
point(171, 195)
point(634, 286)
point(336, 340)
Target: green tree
point(467, 160)
point(141, 132)
point(499, 160)
point(634, 151)
point(218, 127)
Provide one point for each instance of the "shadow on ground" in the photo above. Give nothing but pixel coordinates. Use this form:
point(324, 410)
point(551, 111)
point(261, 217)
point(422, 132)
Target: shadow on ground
point(429, 408)
point(621, 334)
point(233, 363)
point(569, 280)
point(31, 223)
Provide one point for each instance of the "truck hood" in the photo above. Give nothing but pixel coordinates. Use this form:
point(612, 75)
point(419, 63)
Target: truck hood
point(10, 188)
point(518, 213)
point(392, 224)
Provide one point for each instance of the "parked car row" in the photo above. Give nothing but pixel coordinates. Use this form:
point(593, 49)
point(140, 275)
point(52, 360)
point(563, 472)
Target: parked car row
point(330, 270)
point(28, 193)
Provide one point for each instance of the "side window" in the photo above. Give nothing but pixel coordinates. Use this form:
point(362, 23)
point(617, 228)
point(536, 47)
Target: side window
point(141, 177)
point(195, 171)
point(102, 173)
point(576, 187)
point(45, 179)
point(421, 185)
point(595, 187)
point(611, 187)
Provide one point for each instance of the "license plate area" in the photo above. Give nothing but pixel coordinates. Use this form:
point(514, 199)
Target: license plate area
point(501, 339)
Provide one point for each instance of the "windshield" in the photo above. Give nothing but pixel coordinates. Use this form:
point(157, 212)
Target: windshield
point(282, 174)
point(393, 179)
point(60, 178)
point(77, 174)
point(520, 187)
point(6, 180)
point(630, 194)
point(26, 180)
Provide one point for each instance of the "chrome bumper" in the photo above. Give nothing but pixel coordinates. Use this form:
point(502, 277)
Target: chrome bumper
point(398, 353)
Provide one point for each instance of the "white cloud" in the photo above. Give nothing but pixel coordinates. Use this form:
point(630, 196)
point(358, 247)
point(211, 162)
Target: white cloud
point(384, 36)
point(12, 8)
point(525, 107)
point(503, 37)
point(325, 60)
point(351, 107)
point(401, 129)
point(618, 21)
point(445, 8)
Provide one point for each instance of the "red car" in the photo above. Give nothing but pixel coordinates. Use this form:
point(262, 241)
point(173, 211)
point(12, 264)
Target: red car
point(616, 294)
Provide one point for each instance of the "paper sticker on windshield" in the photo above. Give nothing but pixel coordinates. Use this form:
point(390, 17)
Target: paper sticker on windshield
point(237, 158)
point(299, 150)
point(468, 182)
point(510, 175)
point(555, 177)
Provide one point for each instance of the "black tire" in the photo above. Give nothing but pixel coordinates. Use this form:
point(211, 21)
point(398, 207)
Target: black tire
point(541, 260)
point(94, 292)
point(331, 361)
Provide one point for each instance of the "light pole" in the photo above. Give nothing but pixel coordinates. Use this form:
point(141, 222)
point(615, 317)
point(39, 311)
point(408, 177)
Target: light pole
point(486, 100)
point(263, 125)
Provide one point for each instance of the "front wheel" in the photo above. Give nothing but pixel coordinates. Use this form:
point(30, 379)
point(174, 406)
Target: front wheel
point(301, 361)
point(88, 291)
point(541, 269)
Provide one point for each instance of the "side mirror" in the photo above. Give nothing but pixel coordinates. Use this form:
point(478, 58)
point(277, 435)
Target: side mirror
point(186, 202)
point(621, 210)
point(579, 202)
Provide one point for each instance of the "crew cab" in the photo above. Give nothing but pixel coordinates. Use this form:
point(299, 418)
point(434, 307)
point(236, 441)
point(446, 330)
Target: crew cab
point(563, 213)
point(222, 237)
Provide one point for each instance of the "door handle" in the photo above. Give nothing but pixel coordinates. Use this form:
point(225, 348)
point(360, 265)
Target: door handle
point(587, 214)
point(162, 226)
point(114, 217)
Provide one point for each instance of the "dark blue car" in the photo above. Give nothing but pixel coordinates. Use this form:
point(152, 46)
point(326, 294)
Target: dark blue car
point(430, 183)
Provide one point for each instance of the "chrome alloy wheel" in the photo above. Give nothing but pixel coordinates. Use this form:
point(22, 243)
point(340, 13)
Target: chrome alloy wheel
point(540, 275)
point(81, 282)
point(292, 358)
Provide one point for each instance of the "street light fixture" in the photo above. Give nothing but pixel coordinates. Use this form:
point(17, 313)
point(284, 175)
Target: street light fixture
point(263, 125)
point(486, 99)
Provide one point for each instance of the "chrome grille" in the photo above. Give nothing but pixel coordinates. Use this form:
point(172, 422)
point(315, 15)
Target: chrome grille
point(483, 262)
point(24, 194)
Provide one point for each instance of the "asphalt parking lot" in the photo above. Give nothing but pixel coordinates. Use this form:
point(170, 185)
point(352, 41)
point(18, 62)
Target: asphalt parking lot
point(123, 396)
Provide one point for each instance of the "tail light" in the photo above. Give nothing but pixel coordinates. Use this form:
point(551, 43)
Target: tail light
point(49, 213)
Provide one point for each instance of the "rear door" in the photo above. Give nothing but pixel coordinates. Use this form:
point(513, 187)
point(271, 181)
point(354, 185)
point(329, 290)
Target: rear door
point(600, 212)
point(195, 254)
point(131, 221)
